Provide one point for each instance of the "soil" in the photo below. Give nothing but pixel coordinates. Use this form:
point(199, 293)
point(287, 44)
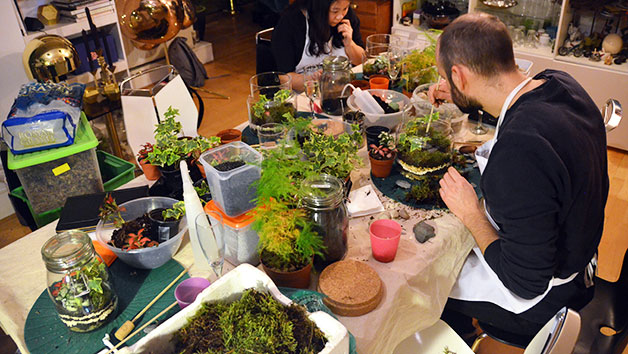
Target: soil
point(334, 106)
point(119, 236)
point(229, 165)
point(385, 106)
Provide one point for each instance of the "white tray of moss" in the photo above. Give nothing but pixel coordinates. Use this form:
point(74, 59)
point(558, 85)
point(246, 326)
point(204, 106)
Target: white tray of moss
point(229, 288)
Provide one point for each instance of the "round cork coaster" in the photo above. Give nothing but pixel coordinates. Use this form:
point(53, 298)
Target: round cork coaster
point(353, 288)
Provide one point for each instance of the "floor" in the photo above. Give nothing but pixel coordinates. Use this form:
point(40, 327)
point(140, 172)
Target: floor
point(234, 63)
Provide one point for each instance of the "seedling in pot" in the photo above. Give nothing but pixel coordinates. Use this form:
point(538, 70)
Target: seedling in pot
point(386, 149)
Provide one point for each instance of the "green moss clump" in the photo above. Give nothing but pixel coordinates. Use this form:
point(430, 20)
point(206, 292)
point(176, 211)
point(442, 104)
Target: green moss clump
point(426, 191)
point(257, 323)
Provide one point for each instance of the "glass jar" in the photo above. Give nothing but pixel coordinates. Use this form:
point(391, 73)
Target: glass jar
point(271, 97)
point(323, 198)
point(78, 281)
point(336, 74)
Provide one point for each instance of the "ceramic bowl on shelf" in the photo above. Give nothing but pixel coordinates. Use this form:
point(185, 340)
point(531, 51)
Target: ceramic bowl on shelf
point(143, 258)
point(389, 120)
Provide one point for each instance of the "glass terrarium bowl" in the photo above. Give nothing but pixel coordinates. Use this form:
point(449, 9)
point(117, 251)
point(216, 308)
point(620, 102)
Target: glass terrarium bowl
point(389, 120)
point(435, 148)
point(449, 114)
point(270, 98)
point(375, 61)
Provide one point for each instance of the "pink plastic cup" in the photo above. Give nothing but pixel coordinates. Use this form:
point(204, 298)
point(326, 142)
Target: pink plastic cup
point(186, 292)
point(385, 236)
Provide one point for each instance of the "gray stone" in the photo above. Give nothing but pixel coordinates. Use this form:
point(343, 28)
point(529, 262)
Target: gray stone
point(423, 231)
point(403, 184)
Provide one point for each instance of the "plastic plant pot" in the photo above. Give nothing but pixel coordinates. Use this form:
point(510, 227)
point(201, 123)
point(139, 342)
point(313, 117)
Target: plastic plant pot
point(385, 236)
point(379, 82)
point(372, 134)
point(165, 229)
point(187, 291)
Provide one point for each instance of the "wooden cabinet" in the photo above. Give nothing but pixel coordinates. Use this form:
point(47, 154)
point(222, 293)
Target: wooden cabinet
point(375, 16)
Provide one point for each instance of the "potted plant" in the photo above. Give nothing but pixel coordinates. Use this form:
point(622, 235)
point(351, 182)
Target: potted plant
point(199, 145)
point(382, 156)
point(287, 243)
point(263, 109)
point(150, 171)
point(165, 221)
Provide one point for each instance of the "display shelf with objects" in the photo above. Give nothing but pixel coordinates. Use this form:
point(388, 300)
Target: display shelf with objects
point(554, 18)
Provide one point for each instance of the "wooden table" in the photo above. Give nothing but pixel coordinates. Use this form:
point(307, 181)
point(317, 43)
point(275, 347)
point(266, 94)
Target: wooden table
point(417, 282)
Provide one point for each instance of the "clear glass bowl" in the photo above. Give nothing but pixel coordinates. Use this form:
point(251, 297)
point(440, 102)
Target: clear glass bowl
point(389, 120)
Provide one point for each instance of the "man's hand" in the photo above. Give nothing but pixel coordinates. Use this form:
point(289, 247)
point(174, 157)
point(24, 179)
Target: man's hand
point(345, 29)
point(439, 92)
point(460, 198)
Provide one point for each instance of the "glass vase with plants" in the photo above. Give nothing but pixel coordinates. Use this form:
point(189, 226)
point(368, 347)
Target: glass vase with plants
point(264, 109)
point(419, 66)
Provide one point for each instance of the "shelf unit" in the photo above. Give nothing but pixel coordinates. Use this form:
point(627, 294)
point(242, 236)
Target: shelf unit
point(601, 81)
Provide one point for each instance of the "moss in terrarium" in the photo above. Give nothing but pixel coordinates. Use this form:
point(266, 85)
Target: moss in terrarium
point(256, 323)
point(273, 111)
point(421, 149)
point(425, 191)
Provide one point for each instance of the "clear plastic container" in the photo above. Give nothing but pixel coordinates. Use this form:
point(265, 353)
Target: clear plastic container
point(232, 189)
point(389, 120)
point(240, 238)
point(144, 258)
point(50, 176)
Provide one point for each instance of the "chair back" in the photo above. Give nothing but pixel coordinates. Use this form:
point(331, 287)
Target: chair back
point(612, 114)
point(558, 336)
point(264, 58)
point(145, 98)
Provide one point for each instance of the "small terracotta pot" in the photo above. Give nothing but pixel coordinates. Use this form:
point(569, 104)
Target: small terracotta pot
point(379, 82)
point(297, 279)
point(229, 135)
point(381, 168)
point(201, 168)
point(150, 171)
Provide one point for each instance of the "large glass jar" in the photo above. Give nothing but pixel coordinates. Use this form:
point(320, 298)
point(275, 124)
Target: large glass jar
point(270, 98)
point(323, 198)
point(336, 74)
point(78, 281)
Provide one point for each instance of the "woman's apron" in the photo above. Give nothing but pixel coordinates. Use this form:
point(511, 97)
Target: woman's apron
point(308, 59)
point(477, 281)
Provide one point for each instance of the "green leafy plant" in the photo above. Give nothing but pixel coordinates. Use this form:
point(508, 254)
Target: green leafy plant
point(266, 110)
point(287, 241)
point(170, 147)
point(203, 189)
point(376, 66)
point(111, 212)
point(419, 67)
point(175, 212)
point(335, 156)
point(83, 288)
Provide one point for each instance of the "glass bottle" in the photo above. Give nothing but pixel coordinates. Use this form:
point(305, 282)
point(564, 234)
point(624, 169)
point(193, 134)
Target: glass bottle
point(78, 281)
point(336, 74)
point(323, 198)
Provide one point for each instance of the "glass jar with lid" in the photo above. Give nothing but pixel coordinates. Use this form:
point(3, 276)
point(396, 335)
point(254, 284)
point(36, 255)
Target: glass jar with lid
point(336, 74)
point(323, 199)
point(78, 281)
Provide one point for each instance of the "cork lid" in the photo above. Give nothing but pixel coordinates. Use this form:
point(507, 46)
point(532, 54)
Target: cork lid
point(353, 288)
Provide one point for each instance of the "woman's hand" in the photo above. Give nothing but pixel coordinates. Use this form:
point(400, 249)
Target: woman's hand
point(345, 29)
point(439, 92)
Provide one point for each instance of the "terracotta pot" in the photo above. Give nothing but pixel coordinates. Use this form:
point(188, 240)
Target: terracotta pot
point(229, 135)
point(296, 279)
point(381, 168)
point(150, 171)
point(201, 168)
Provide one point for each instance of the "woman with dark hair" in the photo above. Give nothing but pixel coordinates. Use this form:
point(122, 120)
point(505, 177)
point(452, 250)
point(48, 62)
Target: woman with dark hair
point(310, 30)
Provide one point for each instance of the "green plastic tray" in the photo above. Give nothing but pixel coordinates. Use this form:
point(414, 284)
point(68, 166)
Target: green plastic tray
point(114, 171)
point(84, 139)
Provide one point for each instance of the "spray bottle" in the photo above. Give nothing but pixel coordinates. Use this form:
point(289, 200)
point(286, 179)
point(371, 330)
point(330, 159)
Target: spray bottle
point(204, 245)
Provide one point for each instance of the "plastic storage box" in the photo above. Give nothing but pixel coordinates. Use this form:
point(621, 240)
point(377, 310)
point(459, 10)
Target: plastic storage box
point(241, 240)
point(50, 176)
point(228, 288)
point(115, 172)
point(232, 190)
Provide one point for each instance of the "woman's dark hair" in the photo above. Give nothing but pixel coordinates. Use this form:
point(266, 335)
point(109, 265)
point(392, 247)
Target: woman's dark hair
point(319, 30)
point(478, 41)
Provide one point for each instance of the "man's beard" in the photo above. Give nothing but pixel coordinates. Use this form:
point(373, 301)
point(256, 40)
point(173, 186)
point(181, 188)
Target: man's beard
point(465, 103)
